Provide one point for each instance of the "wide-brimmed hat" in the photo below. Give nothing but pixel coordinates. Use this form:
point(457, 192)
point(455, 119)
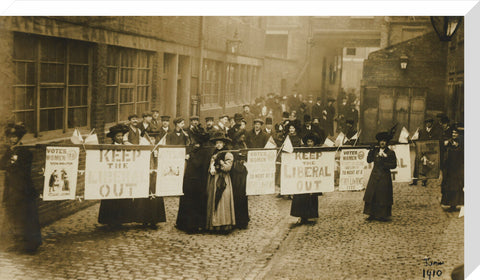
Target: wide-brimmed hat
point(311, 136)
point(118, 128)
point(219, 135)
point(237, 116)
point(15, 130)
point(383, 136)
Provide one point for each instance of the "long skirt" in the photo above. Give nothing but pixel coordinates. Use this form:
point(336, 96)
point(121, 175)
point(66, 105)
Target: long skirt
point(21, 227)
point(149, 210)
point(223, 217)
point(377, 210)
point(304, 206)
point(115, 211)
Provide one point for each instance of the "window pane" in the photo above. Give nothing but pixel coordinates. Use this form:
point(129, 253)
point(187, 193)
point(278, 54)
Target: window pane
point(111, 95)
point(52, 49)
point(52, 73)
point(24, 46)
point(142, 108)
point(110, 113)
point(77, 117)
point(125, 111)
point(77, 96)
point(126, 76)
point(126, 95)
point(78, 75)
point(112, 57)
point(143, 60)
point(51, 97)
point(78, 52)
point(24, 98)
point(143, 77)
point(51, 119)
point(27, 119)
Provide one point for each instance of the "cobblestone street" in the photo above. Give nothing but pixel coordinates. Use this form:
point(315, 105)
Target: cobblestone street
point(340, 245)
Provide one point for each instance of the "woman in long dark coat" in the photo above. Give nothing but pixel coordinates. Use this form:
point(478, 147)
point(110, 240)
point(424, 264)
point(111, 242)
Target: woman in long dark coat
point(453, 180)
point(20, 197)
point(114, 212)
point(305, 205)
point(239, 182)
point(379, 193)
point(192, 209)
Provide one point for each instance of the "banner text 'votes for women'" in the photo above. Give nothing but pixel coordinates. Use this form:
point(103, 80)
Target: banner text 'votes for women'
point(117, 173)
point(261, 172)
point(61, 168)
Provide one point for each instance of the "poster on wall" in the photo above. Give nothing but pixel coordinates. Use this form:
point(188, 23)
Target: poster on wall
point(307, 172)
point(352, 167)
point(117, 173)
point(61, 168)
point(170, 170)
point(261, 172)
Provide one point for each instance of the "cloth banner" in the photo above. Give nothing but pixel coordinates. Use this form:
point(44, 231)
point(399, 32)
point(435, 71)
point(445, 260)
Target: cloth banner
point(403, 172)
point(117, 173)
point(353, 164)
point(428, 159)
point(261, 172)
point(170, 170)
point(61, 168)
point(307, 172)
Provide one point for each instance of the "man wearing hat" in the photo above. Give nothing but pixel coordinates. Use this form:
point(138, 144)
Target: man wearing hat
point(350, 132)
point(165, 129)
point(379, 193)
point(232, 132)
point(145, 127)
point(247, 115)
point(21, 219)
point(155, 125)
point(178, 136)
point(134, 134)
point(453, 176)
point(256, 138)
point(329, 114)
point(194, 126)
point(209, 127)
point(269, 127)
point(317, 108)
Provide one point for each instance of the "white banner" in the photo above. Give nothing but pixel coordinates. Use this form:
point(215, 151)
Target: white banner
point(307, 172)
point(61, 168)
point(352, 167)
point(403, 172)
point(261, 172)
point(117, 173)
point(170, 170)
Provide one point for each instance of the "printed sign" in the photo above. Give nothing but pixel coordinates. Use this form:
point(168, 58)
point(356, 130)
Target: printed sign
point(261, 172)
point(428, 159)
point(352, 168)
point(61, 167)
point(170, 170)
point(117, 173)
point(307, 172)
point(403, 172)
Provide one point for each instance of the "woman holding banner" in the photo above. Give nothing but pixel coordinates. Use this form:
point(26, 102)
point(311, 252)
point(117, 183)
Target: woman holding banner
point(21, 226)
point(305, 205)
point(220, 205)
point(239, 181)
point(379, 193)
point(453, 179)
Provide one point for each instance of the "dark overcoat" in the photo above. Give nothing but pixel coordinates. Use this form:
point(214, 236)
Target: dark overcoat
point(192, 210)
point(379, 193)
point(239, 186)
point(453, 177)
point(254, 140)
point(177, 138)
point(21, 225)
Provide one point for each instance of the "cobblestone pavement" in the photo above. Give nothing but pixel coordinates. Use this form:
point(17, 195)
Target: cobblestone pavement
point(341, 245)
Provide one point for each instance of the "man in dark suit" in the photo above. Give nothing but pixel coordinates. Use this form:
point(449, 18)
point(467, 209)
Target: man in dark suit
point(269, 127)
point(248, 116)
point(165, 128)
point(232, 132)
point(256, 138)
point(145, 127)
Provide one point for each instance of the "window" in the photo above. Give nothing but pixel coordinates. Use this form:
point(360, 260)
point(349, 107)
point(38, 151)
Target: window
point(276, 45)
point(52, 82)
point(351, 51)
point(231, 83)
point(211, 82)
point(129, 83)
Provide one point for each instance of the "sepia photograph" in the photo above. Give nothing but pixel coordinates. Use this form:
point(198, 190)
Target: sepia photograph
point(232, 147)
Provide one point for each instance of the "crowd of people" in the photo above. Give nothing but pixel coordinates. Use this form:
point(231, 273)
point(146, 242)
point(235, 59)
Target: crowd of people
point(214, 183)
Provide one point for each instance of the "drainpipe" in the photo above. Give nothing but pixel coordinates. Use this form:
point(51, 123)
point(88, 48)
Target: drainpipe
point(196, 98)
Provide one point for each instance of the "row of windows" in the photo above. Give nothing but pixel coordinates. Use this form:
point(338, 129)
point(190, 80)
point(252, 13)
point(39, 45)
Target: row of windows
point(52, 89)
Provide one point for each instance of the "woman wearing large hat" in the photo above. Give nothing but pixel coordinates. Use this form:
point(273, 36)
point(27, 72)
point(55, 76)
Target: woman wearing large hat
point(220, 205)
point(379, 193)
point(453, 179)
point(21, 228)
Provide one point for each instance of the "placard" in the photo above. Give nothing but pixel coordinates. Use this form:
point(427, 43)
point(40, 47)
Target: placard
point(307, 172)
point(170, 170)
point(403, 172)
point(428, 159)
point(261, 172)
point(61, 168)
point(352, 168)
point(117, 173)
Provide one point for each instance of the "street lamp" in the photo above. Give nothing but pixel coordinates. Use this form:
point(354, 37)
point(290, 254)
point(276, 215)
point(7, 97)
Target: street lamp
point(403, 62)
point(233, 45)
point(446, 26)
